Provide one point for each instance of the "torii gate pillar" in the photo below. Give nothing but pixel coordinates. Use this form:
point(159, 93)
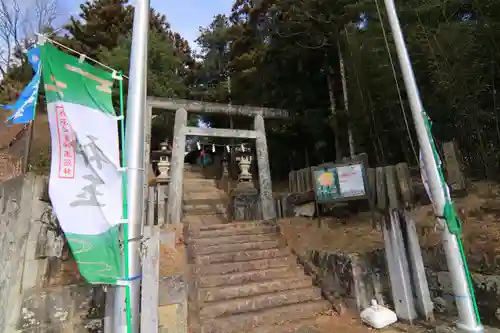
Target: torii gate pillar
point(266, 190)
point(174, 208)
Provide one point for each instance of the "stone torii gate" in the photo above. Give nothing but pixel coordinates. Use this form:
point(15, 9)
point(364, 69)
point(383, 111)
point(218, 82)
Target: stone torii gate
point(181, 130)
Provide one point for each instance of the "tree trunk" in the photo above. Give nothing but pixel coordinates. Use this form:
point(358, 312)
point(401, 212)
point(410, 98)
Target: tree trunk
point(352, 149)
point(333, 108)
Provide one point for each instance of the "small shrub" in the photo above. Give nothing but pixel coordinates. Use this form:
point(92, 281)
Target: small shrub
point(39, 161)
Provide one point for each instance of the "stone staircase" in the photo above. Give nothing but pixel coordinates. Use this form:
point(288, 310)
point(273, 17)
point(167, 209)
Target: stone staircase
point(243, 276)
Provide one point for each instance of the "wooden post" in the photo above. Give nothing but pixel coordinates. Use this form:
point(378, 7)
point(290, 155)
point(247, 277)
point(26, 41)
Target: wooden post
point(405, 186)
point(290, 183)
point(372, 193)
point(27, 146)
point(453, 166)
point(177, 168)
point(399, 272)
point(381, 189)
point(297, 181)
point(420, 285)
point(372, 187)
point(392, 187)
point(397, 261)
point(266, 190)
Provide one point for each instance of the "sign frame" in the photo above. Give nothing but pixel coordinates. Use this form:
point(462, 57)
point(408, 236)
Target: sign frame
point(326, 166)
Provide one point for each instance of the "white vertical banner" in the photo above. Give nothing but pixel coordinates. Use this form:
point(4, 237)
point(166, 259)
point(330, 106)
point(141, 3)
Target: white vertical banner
point(85, 181)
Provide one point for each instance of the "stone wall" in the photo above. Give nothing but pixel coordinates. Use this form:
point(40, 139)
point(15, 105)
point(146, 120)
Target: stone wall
point(354, 279)
point(351, 278)
point(40, 289)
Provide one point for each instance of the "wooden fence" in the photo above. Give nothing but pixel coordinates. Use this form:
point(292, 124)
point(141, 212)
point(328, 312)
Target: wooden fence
point(300, 181)
point(301, 184)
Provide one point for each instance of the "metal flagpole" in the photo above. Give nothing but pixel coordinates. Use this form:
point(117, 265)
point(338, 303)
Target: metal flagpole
point(468, 321)
point(27, 145)
point(136, 104)
point(147, 139)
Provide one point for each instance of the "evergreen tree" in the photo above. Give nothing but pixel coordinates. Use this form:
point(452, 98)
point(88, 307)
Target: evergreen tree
point(101, 24)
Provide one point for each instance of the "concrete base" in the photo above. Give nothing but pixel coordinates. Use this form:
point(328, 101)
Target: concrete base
point(453, 329)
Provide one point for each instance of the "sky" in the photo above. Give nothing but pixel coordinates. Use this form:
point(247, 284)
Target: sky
point(185, 16)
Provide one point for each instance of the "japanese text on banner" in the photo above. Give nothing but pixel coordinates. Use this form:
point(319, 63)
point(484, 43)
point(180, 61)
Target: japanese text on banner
point(66, 147)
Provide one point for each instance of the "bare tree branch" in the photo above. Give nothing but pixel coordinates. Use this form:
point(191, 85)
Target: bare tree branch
point(19, 21)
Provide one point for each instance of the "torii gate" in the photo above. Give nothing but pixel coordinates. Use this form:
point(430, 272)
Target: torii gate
point(181, 130)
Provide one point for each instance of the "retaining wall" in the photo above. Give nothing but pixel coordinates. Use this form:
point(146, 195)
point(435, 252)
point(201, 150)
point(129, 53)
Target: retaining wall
point(40, 289)
point(356, 279)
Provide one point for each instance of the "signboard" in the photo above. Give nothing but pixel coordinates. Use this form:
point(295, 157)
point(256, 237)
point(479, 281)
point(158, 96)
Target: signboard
point(339, 182)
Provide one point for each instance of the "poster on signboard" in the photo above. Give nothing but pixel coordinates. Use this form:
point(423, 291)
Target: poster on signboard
point(326, 181)
point(351, 182)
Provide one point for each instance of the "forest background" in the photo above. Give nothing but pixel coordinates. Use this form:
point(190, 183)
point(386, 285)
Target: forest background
point(333, 65)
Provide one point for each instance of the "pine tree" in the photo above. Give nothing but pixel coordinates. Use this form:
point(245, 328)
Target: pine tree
point(102, 23)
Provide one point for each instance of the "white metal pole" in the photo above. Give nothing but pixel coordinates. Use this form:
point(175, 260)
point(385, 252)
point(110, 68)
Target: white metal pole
point(467, 318)
point(135, 152)
point(147, 140)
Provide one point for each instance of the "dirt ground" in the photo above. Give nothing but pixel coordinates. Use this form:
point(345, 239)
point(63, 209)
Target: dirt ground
point(479, 212)
point(172, 261)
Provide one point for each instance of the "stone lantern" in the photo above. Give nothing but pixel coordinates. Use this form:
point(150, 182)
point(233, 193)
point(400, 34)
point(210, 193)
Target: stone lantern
point(244, 160)
point(162, 158)
point(244, 205)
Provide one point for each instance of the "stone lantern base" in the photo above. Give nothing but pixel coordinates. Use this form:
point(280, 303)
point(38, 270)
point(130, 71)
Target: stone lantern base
point(244, 203)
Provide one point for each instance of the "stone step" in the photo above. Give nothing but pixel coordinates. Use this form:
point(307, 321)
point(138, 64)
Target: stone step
point(251, 230)
point(247, 321)
point(248, 277)
point(260, 302)
point(191, 186)
point(192, 167)
point(241, 256)
point(201, 220)
point(252, 289)
point(208, 196)
point(193, 175)
point(243, 224)
point(211, 200)
point(200, 188)
point(204, 209)
point(244, 266)
point(200, 182)
point(205, 212)
point(239, 247)
point(309, 325)
point(204, 205)
point(201, 242)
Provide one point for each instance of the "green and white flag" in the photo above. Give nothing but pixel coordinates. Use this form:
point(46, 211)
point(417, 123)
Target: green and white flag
point(85, 184)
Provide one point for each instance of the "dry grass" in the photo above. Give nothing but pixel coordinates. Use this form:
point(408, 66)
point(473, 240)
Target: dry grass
point(353, 235)
point(479, 211)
